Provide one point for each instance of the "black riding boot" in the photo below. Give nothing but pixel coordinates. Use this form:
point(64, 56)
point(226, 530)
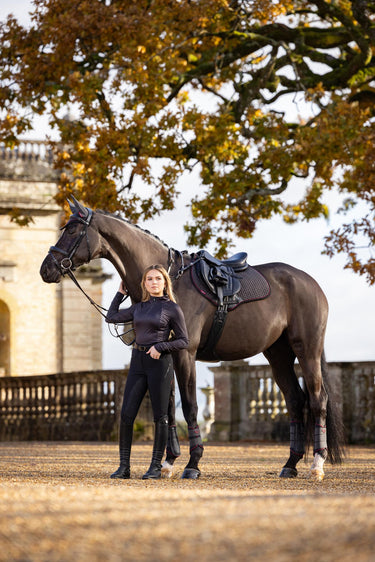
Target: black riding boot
point(160, 442)
point(125, 444)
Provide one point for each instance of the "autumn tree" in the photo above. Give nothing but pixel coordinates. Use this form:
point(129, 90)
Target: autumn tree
point(271, 100)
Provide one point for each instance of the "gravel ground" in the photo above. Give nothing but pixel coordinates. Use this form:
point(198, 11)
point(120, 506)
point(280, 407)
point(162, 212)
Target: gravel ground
point(58, 504)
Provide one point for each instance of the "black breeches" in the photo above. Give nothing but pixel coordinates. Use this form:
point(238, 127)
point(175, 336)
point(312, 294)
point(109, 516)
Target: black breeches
point(146, 373)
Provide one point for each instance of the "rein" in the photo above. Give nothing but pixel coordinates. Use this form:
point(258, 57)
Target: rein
point(97, 306)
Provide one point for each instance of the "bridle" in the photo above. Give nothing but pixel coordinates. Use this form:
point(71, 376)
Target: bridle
point(66, 266)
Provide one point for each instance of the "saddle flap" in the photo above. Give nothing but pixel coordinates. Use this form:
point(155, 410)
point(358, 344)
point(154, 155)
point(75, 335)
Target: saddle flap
point(220, 280)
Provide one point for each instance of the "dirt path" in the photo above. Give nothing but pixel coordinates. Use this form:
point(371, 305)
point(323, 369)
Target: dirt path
point(57, 503)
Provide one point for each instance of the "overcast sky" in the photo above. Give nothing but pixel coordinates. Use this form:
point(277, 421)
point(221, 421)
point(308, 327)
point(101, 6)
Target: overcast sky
point(351, 325)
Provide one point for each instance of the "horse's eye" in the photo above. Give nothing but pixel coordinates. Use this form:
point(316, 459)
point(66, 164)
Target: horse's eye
point(72, 228)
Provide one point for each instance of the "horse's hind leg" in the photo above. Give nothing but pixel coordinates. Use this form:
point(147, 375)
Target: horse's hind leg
point(281, 358)
point(185, 372)
point(318, 398)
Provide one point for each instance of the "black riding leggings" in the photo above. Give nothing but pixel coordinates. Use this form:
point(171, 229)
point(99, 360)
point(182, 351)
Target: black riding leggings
point(147, 373)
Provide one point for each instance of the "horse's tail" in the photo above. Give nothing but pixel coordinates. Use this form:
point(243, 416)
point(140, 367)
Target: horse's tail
point(335, 425)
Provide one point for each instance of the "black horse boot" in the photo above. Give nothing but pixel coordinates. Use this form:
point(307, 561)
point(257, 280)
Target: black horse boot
point(125, 444)
point(160, 442)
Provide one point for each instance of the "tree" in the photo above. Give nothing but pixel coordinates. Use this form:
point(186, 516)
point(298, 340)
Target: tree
point(207, 84)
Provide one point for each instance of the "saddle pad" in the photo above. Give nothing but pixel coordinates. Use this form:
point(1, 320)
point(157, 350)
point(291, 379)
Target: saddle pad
point(254, 287)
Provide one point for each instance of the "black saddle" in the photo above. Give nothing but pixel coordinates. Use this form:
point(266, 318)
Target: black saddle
point(220, 276)
point(238, 262)
point(226, 284)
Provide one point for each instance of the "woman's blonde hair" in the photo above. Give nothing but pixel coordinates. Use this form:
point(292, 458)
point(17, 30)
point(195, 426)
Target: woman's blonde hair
point(168, 291)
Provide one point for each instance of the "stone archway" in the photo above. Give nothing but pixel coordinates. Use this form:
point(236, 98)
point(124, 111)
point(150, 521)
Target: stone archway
point(4, 339)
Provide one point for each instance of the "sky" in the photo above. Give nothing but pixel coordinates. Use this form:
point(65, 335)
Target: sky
point(351, 323)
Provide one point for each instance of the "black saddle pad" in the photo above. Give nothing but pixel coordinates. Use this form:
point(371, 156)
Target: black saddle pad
point(254, 287)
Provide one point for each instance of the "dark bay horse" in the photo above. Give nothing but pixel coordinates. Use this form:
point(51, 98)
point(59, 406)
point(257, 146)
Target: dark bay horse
point(290, 324)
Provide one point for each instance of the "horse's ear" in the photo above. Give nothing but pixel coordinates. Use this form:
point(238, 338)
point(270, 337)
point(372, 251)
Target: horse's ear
point(72, 206)
point(77, 207)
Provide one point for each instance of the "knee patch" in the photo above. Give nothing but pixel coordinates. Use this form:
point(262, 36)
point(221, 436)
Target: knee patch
point(163, 420)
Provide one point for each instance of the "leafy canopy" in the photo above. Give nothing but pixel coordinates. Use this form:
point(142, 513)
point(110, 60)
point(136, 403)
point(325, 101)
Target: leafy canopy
point(206, 84)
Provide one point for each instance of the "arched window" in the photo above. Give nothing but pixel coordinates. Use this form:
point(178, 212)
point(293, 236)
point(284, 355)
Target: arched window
point(4, 339)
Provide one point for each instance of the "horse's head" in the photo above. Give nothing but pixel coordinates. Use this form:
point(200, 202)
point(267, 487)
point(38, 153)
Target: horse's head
point(75, 246)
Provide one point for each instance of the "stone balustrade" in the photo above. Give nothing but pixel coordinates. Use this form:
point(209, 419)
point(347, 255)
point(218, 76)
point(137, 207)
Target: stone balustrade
point(249, 405)
point(27, 150)
point(83, 406)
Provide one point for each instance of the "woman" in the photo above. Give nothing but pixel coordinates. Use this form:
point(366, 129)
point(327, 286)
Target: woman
point(151, 365)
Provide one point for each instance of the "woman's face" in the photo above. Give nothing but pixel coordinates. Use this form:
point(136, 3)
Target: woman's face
point(154, 283)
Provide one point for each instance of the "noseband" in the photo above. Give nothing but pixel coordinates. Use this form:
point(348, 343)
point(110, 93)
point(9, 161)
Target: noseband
point(66, 264)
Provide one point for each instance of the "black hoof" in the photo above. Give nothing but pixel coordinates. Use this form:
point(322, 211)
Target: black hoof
point(288, 472)
point(191, 473)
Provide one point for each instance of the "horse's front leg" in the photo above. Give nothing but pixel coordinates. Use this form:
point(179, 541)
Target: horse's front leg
point(173, 445)
point(186, 377)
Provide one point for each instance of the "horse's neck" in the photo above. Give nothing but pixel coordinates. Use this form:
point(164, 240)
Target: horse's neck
point(130, 250)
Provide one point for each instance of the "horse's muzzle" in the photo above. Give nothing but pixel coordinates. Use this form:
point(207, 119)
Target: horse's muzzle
point(49, 271)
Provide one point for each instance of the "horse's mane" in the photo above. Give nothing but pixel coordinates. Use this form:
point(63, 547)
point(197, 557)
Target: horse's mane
point(117, 216)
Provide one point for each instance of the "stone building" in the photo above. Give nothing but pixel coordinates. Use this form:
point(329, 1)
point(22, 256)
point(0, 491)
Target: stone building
point(43, 328)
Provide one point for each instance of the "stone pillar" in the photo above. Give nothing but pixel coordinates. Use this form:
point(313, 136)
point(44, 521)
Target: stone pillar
point(230, 400)
point(208, 412)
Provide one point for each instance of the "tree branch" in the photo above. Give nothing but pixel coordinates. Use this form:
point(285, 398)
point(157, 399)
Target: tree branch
point(262, 192)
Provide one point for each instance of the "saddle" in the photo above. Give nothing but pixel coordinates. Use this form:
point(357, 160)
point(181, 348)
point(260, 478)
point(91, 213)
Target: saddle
point(220, 276)
point(226, 284)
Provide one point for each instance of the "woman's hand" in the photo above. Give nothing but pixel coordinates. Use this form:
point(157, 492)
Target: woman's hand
point(122, 289)
point(153, 352)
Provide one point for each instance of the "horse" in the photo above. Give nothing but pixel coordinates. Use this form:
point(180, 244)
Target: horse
point(286, 326)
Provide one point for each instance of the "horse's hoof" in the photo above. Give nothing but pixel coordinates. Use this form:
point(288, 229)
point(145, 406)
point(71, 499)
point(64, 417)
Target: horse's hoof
point(317, 474)
point(191, 473)
point(166, 470)
point(288, 472)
